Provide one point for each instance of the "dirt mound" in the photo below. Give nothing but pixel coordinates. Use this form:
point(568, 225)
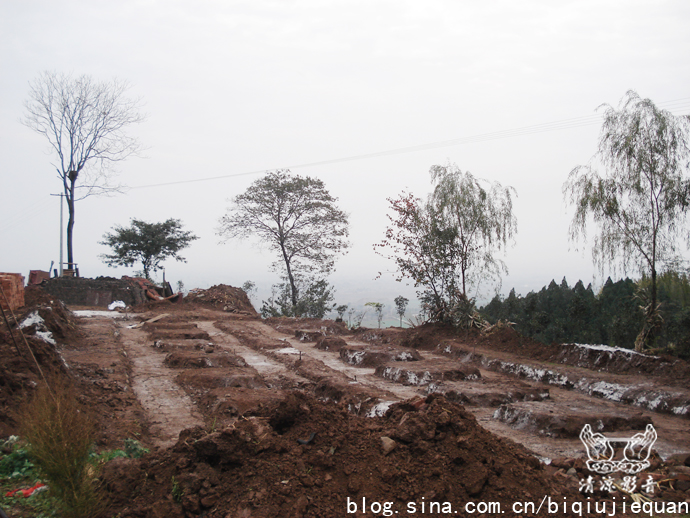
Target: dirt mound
point(491, 398)
point(206, 380)
point(391, 335)
point(545, 421)
point(408, 376)
point(373, 357)
point(181, 360)
point(427, 336)
point(330, 343)
point(178, 334)
point(45, 324)
point(315, 459)
point(290, 325)
point(594, 357)
point(223, 297)
point(305, 335)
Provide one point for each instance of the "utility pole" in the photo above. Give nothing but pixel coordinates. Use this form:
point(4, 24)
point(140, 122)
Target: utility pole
point(61, 233)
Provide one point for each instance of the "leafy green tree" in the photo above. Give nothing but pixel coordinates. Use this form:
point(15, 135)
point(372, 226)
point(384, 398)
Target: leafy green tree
point(640, 204)
point(85, 123)
point(147, 243)
point(619, 314)
point(299, 221)
point(400, 306)
point(315, 299)
point(341, 311)
point(450, 242)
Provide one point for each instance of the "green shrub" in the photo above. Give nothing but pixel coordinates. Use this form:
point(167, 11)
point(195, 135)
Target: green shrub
point(60, 434)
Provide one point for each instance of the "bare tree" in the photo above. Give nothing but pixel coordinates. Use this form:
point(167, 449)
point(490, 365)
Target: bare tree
point(84, 121)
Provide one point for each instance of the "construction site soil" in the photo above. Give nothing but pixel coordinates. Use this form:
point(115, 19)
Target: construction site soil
point(247, 417)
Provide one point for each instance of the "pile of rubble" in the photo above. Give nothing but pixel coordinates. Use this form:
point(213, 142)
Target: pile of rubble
point(224, 297)
point(310, 458)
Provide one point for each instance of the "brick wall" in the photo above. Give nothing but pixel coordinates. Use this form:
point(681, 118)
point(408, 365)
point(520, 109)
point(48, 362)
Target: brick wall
point(13, 287)
point(82, 291)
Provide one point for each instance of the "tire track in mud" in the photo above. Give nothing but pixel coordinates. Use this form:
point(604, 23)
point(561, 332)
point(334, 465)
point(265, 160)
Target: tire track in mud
point(169, 409)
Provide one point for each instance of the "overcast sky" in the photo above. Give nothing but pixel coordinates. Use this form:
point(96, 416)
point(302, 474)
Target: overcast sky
point(236, 87)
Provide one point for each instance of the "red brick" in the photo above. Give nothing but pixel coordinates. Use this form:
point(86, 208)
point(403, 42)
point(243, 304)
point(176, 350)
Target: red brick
point(13, 288)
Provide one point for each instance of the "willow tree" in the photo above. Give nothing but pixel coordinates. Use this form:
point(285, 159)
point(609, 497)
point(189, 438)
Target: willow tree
point(480, 214)
point(299, 221)
point(85, 122)
point(640, 202)
point(452, 241)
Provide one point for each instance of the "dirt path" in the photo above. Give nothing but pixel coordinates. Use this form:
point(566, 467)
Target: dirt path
point(169, 409)
point(363, 376)
point(262, 363)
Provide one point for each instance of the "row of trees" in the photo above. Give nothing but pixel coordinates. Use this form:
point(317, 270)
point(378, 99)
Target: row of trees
point(447, 243)
point(563, 314)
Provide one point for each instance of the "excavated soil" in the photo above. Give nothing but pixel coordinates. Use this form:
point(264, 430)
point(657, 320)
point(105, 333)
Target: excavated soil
point(286, 417)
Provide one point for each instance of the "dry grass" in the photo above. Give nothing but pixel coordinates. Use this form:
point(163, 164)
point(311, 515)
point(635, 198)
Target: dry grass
point(60, 433)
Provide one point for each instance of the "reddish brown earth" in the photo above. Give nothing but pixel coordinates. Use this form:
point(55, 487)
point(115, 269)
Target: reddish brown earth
point(287, 417)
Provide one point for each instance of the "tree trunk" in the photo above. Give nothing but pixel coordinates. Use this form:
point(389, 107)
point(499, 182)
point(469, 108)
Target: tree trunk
point(654, 289)
point(70, 231)
point(294, 294)
point(653, 314)
point(69, 194)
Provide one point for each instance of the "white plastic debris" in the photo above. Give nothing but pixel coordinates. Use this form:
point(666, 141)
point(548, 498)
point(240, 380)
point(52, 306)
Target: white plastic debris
point(41, 330)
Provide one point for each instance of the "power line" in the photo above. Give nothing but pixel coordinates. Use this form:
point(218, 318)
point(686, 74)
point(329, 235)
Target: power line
point(576, 122)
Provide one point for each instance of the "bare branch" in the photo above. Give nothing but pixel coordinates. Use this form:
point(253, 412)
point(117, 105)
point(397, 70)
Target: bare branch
point(85, 123)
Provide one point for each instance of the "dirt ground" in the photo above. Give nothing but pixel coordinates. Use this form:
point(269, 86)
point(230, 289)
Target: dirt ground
point(283, 417)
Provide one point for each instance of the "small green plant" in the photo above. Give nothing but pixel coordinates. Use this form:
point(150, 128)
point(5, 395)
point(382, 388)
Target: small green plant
point(177, 491)
point(134, 449)
point(17, 471)
point(106, 456)
point(17, 463)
